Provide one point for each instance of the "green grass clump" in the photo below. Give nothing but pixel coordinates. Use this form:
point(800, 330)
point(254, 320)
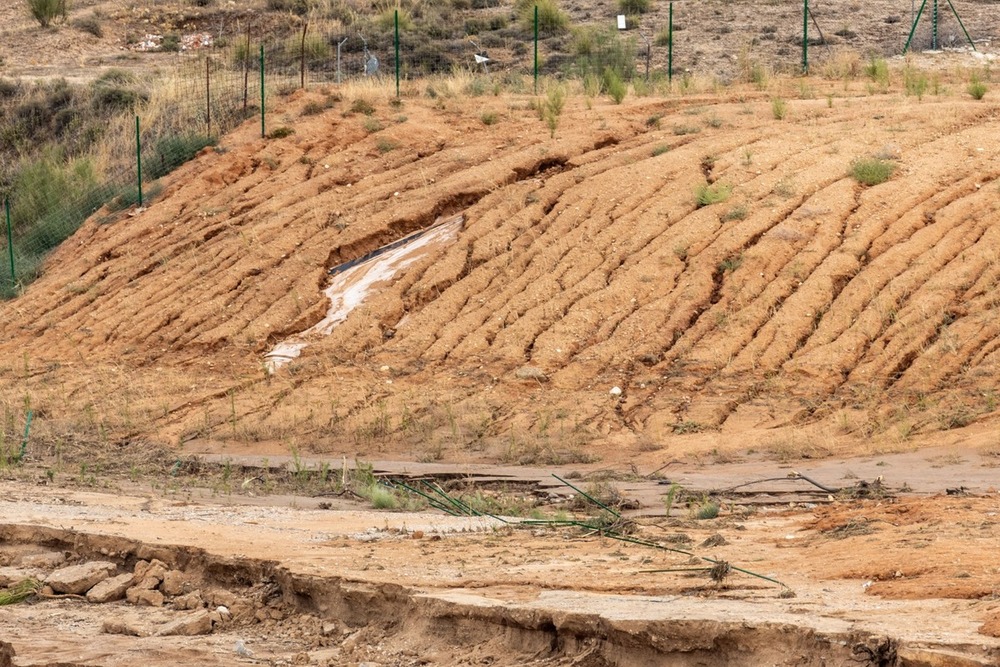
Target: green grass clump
point(46, 11)
point(877, 70)
point(19, 592)
point(915, 82)
point(595, 51)
point(552, 108)
point(617, 89)
point(362, 105)
point(381, 498)
point(489, 117)
point(872, 171)
point(977, 89)
point(735, 213)
point(280, 132)
point(707, 510)
point(707, 194)
point(632, 7)
point(552, 20)
point(779, 108)
point(660, 150)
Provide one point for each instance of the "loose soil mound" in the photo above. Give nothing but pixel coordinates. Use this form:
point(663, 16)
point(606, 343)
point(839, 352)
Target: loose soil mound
point(806, 298)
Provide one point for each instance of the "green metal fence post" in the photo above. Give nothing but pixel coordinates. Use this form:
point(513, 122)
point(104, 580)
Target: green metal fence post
point(262, 126)
point(10, 244)
point(396, 18)
point(913, 29)
point(536, 49)
point(962, 25)
point(138, 159)
point(805, 36)
point(670, 45)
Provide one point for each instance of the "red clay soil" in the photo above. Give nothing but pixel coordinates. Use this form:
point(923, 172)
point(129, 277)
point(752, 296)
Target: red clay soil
point(807, 312)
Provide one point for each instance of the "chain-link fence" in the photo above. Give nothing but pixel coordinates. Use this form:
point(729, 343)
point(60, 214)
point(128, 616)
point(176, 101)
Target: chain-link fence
point(104, 146)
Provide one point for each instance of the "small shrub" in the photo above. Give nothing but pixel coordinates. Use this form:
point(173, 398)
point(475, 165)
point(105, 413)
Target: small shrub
point(312, 108)
point(872, 171)
point(877, 70)
point(915, 82)
point(116, 98)
point(615, 86)
point(715, 122)
point(373, 125)
point(597, 50)
point(662, 38)
point(977, 89)
point(89, 24)
point(653, 122)
point(707, 510)
point(362, 105)
point(551, 19)
point(381, 498)
point(660, 150)
point(707, 194)
point(735, 213)
point(681, 130)
point(552, 108)
point(171, 43)
point(631, 7)
point(779, 108)
point(46, 11)
point(387, 20)
point(385, 145)
point(280, 132)
point(489, 117)
point(300, 7)
point(731, 263)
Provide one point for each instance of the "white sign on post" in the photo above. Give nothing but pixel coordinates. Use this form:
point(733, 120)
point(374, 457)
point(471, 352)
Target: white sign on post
point(621, 21)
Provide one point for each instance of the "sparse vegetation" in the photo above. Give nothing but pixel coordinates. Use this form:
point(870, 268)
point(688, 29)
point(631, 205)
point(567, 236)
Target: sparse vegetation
point(280, 132)
point(47, 11)
point(872, 171)
point(976, 88)
point(552, 107)
point(779, 108)
point(552, 20)
point(707, 194)
point(615, 86)
point(735, 213)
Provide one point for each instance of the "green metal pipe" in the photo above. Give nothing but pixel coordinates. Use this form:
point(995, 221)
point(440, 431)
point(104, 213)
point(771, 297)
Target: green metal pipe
point(397, 51)
point(962, 25)
point(433, 502)
point(138, 158)
point(805, 36)
point(913, 29)
point(10, 244)
point(587, 496)
point(262, 125)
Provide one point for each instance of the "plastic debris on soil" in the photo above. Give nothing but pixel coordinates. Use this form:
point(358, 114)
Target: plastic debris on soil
point(350, 286)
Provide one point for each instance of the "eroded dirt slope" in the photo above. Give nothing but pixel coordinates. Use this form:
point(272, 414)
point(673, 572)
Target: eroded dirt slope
point(806, 298)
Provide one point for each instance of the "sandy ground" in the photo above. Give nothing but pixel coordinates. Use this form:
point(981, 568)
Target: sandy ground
point(916, 571)
point(589, 315)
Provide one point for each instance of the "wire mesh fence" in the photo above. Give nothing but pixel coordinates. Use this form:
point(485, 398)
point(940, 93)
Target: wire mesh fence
point(105, 145)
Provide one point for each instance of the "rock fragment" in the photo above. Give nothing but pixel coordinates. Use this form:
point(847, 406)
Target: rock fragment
point(78, 579)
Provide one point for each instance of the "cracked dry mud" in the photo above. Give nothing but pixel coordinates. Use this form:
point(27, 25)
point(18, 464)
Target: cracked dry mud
point(912, 579)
